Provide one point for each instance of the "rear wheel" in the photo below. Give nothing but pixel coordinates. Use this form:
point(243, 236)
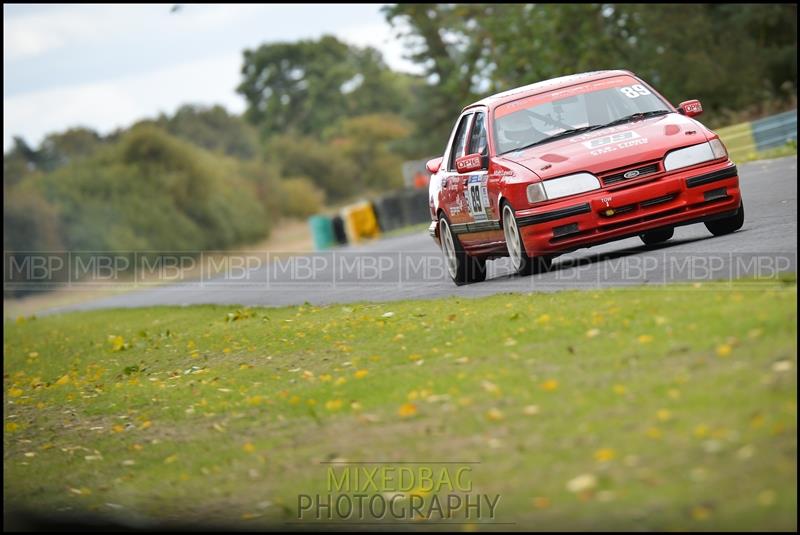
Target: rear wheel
point(652, 237)
point(520, 260)
point(719, 227)
point(461, 267)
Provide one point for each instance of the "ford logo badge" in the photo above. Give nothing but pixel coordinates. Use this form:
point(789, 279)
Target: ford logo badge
point(631, 174)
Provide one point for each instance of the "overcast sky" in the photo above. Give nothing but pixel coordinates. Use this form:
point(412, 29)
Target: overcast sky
point(105, 66)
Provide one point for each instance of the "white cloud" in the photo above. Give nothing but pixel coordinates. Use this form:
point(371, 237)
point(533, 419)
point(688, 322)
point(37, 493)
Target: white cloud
point(106, 66)
point(108, 105)
point(34, 34)
point(380, 36)
point(19, 43)
point(30, 35)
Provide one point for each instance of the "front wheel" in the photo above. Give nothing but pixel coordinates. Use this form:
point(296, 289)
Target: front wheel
point(719, 227)
point(523, 263)
point(652, 237)
point(461, 267)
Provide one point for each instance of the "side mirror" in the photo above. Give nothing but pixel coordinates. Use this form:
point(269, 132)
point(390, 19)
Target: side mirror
point(469, 163)
point(690, 108)
point(433, 165)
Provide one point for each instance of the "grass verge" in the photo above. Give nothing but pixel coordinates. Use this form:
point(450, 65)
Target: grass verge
point(789, 149)
point(659, 408)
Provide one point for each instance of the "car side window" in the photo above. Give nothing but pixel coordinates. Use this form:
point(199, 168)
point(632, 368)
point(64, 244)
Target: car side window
point(459, 142)
point(477, 139)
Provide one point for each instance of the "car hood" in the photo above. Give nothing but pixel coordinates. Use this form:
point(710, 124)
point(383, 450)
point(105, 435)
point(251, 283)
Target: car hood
point(611, 148)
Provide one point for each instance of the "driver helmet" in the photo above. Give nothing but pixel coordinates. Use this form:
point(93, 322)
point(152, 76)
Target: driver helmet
point(517, 127)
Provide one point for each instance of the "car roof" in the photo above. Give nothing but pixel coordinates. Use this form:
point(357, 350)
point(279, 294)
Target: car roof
point(497, 99)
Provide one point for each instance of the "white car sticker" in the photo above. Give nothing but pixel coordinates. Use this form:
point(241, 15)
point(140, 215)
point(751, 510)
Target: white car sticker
point(608, 140)
point(477, 197)
point(634, 91)
point(623, 145)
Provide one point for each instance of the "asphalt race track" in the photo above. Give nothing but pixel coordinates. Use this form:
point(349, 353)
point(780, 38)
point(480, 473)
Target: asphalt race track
point(411, 266)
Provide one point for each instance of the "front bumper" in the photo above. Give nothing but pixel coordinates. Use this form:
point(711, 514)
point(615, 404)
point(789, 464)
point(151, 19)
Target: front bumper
point(682, 197)
point(433, 231)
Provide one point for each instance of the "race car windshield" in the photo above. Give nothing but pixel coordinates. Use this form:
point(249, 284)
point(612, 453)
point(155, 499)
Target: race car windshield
point(559, 118)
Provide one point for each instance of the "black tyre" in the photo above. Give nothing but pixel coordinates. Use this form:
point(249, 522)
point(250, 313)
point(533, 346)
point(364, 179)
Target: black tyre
point(522, 262)
point(652, 237)
point(720, 227)
point(462, 267)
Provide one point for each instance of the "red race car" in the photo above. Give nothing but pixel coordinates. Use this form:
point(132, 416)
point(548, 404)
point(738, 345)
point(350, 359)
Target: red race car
point(572, 162)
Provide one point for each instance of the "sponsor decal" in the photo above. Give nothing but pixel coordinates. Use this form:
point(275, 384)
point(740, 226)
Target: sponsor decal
point(616, 146)
point(600, 133)
point(608, 140)
point(500, 173)
point(466, 163)
point(694, 107)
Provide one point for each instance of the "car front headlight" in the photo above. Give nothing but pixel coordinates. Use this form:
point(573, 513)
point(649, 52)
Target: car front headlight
point(718, 148)
point(704, 152)
point(536, 193)
point(562, 187)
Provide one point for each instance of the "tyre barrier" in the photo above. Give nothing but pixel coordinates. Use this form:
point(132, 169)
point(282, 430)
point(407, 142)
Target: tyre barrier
point(339, 233)
point(389, 211)
point(415, 209)
point(360, 222)
point(322, 232)
point(366, 219)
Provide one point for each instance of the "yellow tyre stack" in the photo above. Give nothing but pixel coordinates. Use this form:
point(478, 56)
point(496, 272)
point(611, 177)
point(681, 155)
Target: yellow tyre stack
point(360, 222)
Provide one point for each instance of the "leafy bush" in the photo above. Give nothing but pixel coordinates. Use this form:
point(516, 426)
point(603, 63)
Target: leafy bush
point(299, 197)
point(153, 191)
point(326, 165)
point(213, 129)
point(30, 223)
point(368, 141)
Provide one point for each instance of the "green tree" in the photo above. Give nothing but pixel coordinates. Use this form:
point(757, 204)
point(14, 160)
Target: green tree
point(305, 87)
point(446, 40)
point(214, 129)
point(30, 223)
point(18, 162)
point(61, 148)
point(324, 164)
point(368, 142)
point(55, 150)
point(729, 56)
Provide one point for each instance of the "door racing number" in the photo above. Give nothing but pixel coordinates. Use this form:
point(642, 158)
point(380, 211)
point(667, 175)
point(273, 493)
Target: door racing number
point(477, 197)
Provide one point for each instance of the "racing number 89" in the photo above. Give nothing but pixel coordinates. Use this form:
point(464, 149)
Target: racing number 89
point(634, 91)
point(475, 197)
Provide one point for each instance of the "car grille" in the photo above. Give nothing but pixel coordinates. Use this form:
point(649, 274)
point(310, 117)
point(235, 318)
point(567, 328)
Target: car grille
point(641, 171)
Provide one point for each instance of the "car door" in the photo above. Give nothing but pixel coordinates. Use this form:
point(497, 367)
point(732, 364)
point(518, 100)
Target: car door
point(453, 182)
point(479, 192)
